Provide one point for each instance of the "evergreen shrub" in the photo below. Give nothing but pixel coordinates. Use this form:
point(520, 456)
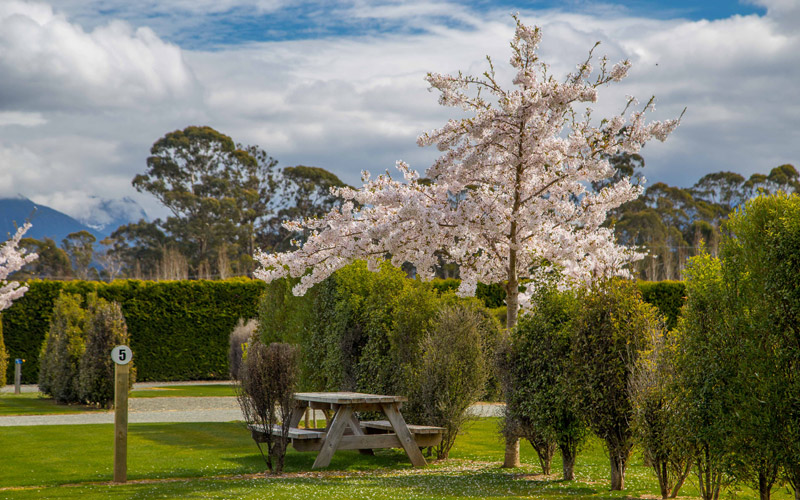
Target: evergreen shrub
point(105, 329)
point(61, 352)
point(541, 394)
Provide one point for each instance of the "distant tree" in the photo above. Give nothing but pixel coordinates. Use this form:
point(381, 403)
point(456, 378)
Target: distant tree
point(215, 190)
point(139, 247)
point(53, 262)
point(80, 248)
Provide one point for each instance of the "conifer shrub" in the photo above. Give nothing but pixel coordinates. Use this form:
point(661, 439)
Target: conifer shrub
point(63, 347)
point(240, 335)
point(105, 329)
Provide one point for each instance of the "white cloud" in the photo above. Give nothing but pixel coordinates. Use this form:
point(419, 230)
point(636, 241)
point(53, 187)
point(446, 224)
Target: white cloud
point(47, 62)
point(20, 118)
point(82, 108)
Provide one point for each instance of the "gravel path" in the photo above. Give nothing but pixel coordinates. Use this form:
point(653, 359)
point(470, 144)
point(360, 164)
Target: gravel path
point(171, 409)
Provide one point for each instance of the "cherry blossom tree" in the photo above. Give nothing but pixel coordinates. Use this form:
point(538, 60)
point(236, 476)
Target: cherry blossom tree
point(509, 198)
point(12, 259)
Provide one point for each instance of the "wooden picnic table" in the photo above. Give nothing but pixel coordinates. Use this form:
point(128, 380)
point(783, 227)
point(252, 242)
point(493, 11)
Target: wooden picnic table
point(346, 432)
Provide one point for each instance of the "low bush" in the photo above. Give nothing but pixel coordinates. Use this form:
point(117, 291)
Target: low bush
point(453, 371)
point(268, 380)
point(656, 425)
point(240, 335)
point(105, 329)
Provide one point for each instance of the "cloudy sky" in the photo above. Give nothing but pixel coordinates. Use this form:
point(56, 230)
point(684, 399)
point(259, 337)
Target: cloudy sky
point(87, 86)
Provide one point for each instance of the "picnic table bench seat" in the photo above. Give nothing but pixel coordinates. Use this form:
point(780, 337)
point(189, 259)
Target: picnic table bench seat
point(385, 425)
point(311, 439)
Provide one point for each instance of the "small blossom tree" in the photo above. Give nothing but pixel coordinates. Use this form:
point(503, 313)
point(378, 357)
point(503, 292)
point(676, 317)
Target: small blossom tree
point(510, 197)
point(11, 260)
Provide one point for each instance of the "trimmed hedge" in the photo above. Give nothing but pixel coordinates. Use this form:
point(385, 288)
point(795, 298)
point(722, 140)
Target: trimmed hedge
point(667, 296)
point(179, 329)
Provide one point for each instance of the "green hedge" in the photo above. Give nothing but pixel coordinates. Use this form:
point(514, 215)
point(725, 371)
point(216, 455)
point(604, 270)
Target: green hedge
point(493, 295)
point(179, 329)
point(667, 296)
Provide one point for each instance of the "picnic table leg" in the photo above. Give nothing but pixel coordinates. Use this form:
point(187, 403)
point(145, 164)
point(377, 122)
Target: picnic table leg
point(334, 435)
point(403, 434)
point(357, 431)
point(297, 415)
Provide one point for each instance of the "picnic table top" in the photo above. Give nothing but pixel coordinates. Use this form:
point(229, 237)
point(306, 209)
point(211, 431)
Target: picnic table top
point(344, 398)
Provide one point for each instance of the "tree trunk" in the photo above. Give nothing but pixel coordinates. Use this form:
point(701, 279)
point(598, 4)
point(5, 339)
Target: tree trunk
point(568, 454)
point(764, 486)
point(511, 459)
point(663, 478)
point(618, 464)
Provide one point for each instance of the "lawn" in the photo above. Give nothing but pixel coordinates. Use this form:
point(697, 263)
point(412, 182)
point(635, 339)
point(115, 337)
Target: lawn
point(196, 391)
point(33, 403)
point(218, 460)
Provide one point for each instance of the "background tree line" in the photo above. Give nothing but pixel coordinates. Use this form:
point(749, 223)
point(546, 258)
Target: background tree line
point(224, 199)
point(673, 223)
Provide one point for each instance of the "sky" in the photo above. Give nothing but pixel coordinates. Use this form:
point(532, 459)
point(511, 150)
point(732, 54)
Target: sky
point(87, 86)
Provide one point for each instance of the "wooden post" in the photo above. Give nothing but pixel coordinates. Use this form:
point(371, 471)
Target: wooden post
point(121, 423)
point(18, 375)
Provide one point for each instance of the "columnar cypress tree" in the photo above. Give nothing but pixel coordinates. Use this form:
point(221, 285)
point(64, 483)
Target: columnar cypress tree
point(105, 329)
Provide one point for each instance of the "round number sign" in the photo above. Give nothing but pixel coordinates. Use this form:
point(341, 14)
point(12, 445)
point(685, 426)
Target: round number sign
point(121, 355)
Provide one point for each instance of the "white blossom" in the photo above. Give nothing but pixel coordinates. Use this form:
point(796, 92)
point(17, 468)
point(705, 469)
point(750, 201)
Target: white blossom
point(509, 198)
point(12, 259)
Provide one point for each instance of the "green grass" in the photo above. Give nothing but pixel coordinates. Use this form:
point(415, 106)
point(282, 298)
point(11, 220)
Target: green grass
point(32, 403)
point(207, 458)
point(205, 390)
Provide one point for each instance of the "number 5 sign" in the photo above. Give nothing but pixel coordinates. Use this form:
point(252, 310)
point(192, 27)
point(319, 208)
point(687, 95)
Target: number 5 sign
point(121, 355)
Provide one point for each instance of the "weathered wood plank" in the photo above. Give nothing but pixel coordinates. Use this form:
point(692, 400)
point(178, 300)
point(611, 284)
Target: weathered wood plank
point(415, 429)
point(358, 431)
point(347, 397)
point(294, 433)
point(406, 439)
point(330, 443)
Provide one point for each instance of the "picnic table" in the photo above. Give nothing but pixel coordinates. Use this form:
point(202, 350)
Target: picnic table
point(346, 432)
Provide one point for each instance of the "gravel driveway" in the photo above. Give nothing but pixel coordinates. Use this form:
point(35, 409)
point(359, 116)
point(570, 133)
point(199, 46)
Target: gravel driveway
point(171, 409)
